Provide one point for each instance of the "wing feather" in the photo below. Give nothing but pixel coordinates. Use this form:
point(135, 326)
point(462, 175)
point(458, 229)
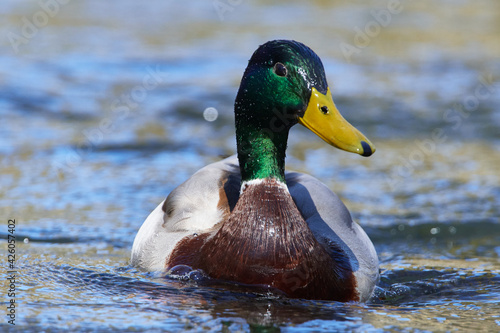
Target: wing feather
point(195, 206)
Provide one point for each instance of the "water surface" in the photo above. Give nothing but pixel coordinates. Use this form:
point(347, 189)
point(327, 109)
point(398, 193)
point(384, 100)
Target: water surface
point(87, 152)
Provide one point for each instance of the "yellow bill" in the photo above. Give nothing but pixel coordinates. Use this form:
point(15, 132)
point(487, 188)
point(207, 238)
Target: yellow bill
point(323, 118)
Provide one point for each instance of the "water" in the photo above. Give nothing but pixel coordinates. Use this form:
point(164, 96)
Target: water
point(102, 116)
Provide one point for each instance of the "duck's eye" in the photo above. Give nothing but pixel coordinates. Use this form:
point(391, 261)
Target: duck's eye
point(324, 109)
point(280, 69)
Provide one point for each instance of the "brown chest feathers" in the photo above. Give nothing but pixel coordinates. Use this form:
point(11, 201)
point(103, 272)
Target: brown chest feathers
point(265, 241)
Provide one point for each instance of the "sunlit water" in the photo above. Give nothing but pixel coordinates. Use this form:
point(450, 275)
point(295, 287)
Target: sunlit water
point(102, 116)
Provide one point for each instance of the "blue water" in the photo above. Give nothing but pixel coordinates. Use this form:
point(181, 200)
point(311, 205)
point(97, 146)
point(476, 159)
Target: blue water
point(87, 152)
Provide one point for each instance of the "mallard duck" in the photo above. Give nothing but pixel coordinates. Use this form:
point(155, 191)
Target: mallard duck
point(244, 219)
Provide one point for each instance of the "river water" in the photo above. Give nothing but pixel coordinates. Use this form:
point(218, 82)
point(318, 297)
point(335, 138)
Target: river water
point(102, 115)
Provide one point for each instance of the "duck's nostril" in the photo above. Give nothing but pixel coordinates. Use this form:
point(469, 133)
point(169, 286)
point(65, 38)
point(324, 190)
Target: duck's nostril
point(367, 150)
point(324, 109)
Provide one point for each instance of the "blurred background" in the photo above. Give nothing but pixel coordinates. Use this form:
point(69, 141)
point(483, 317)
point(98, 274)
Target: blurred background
point(107, 106)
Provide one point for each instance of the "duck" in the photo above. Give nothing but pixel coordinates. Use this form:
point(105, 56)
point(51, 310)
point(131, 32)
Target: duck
point(246, 220)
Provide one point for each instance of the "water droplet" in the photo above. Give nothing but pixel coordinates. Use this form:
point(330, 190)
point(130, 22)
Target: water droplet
point(179, 270)
point(196, 275)
point(210, 114)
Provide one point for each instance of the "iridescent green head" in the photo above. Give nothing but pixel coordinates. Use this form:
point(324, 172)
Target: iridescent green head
point(285, 84)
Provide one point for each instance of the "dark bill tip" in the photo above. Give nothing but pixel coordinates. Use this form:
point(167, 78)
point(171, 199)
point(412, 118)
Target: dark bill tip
point(367, 150)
